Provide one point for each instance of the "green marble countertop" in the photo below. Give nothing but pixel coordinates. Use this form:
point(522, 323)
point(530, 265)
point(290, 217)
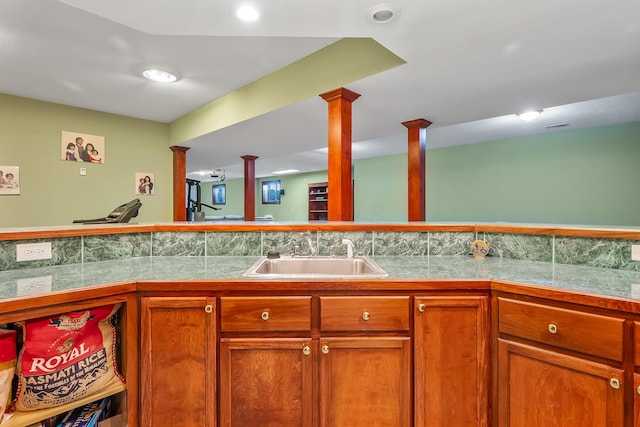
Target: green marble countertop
point(610, 283)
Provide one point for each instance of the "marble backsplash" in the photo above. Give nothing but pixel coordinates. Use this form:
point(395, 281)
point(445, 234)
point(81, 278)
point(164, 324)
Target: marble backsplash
point(596, 252)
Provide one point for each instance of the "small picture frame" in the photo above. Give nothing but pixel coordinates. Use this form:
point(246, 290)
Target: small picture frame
point(271, 192)
point(219, 194)
point(9, 180)
point(145, 184)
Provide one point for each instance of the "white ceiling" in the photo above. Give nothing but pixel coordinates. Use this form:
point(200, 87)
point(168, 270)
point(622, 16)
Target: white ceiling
point(470, 66)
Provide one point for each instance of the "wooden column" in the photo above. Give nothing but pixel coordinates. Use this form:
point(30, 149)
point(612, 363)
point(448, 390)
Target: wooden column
point(340, 180)
point(179, 182)
point(417, 168)
point(249, 187)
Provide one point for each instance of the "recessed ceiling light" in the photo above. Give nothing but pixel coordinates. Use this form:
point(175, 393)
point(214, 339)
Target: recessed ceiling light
point(382, 13)
point(247, 13)
point(528, 116)
point(285, 171)
point(159, 75)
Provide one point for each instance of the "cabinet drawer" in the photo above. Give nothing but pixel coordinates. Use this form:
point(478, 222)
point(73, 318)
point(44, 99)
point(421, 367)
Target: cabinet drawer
point(364, 313)
point(569, 329)
point(265, 313)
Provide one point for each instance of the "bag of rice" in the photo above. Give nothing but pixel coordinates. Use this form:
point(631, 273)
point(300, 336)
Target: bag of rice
point(66, 357)
point(7, 367)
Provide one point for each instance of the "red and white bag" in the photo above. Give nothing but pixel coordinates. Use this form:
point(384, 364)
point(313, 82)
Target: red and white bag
point(66, 357)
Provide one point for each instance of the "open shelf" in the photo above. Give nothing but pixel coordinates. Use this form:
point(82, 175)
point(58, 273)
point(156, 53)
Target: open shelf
point(26, 418)
point(318, 201)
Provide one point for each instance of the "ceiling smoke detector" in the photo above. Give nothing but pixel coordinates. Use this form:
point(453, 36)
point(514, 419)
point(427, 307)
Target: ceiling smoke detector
point(382, 13)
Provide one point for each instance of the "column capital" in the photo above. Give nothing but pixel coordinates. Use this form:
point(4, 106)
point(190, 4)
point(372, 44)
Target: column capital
point(248, 157)
point(417, 123)
point(340, 93)
point(178, 148)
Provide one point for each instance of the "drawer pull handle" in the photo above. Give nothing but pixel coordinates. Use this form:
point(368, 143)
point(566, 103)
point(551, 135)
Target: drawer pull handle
point(306, 350)
point(365, 315)
point(325, 349)
point(614, 383)
point(638, 389)
point(208, 308)
point(552, 328)
point(265, 315)
point(422, 307)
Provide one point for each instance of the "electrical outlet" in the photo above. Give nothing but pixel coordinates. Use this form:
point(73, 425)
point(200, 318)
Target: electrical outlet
point(33, 251)
point(33, 285)
point(635, 252)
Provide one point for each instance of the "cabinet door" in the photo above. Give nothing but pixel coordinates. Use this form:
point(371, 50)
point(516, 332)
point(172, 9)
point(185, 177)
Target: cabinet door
point(543, 388)
point(266, 382)
point(451, 361)
point(178, 382)
point(365, 382)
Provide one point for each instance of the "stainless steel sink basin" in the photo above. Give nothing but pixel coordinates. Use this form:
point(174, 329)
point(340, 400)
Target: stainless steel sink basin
point(315, 267)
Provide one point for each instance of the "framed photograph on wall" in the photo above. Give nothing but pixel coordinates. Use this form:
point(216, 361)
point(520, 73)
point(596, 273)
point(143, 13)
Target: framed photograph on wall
point(82, 147)
point(9, 180)
point(271, 192)
point(219, 194)
point(145, 184)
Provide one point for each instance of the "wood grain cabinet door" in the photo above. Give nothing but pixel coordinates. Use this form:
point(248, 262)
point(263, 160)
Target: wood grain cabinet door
point(365, 382)
point(451, 353)
point(539, 387)
point(178, 342)
point(266, 382)
point(636, 399)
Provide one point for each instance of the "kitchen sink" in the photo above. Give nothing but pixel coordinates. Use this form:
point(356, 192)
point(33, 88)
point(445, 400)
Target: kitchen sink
point(289, 267)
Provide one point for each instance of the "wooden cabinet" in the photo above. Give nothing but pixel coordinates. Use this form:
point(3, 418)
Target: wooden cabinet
point(318, 194)
point(279, 367)
point(178, 343)
point(266, 362)
point(365, 378)
point(559, 366)
point(451, 361)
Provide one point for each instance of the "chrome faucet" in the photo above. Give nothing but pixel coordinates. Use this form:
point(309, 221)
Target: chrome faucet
point(312, 247)
point(349, 244)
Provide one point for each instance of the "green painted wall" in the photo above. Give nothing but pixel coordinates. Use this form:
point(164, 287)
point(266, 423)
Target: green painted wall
point(380, 189)
point(585, 176)
point(52, 190)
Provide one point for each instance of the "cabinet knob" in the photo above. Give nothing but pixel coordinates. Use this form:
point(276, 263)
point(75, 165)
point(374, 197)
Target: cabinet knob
point(614, 383)
point(422, 308)
point(638, 389)
point(265, 315)
point(208, 308)
point(325, 349)
point(306, 350)
point(552, 328)
point(365, 315)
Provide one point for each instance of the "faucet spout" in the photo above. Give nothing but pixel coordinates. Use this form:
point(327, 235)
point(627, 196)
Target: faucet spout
point(312, 247)
point(349, 244)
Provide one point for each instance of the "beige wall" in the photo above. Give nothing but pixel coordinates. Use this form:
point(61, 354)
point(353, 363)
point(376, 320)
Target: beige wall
point(52, 190)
